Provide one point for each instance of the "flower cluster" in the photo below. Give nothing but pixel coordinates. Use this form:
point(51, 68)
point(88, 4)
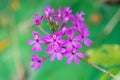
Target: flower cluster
point(65, 39)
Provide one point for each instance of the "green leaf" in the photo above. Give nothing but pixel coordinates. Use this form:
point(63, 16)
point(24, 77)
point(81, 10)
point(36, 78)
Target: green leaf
point(107, 55)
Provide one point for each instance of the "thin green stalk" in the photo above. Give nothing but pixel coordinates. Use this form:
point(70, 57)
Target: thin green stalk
point(101, 69)
point(43, 30)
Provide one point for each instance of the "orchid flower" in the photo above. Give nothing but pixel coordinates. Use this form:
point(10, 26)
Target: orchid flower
point(62, 41)
point(37, 62)
point(37, 41)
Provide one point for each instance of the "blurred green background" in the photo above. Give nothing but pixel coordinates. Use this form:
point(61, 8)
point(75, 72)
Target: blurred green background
point(102, 18)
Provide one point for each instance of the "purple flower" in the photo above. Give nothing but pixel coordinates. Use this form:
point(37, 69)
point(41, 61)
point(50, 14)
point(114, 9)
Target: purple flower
point(79, 26)
point(54, 43)
point(83, 36)
point(78, 21)
point(57, 47)
point(64, 51)
point(36, 62)
point(59, 13)
point(76, 24)
point(72, 41)
point(64, 30)
point(48, 11)
point(36, 42)
point(80, 16)
point(54, 51)
point(37, 19)
point(74, 55)
point(58, 16)
point(67, 14)
point(67, 11)
point(55, 39)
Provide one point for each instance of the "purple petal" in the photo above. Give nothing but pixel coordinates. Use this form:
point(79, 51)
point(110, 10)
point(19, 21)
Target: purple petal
point(64, 30)
point(80, 38)
point(42, 41)
point(72, 18)
point(49, 48)
point(67, 11)
point(48, 11)
point(47, 39)
point(36, 19)
point(70, 33)
point(34, 33)
point(59, 34)
point(74, 27)
point(86, 33)
point(41, 18)
point(59, 12)
point(76, 38)
point(33, 65)
point(38, 47)
point(66, 19)
point(57, 47)
point(69, 47)
point(80, 16)
point(34, 58)
point(80, 55)
point(62, 42)
point(76, 44)
point(59, 56)
point(87, 42)
point(69, 60)
point(30, 42)
point(80, 30)
point(42, 59)
point(84, 26)
point(66, 54)
point(52, 57)
point(75, 49)
point(63, 51)
point(76, 59)
point(36, 65)
point(34, 48)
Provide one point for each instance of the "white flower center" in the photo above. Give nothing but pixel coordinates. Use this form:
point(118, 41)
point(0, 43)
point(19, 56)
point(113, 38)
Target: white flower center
point(54, 36)
point(36, 37)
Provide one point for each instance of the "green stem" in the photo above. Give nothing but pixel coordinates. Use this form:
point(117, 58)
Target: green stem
point(101, 69)
point(43, 30)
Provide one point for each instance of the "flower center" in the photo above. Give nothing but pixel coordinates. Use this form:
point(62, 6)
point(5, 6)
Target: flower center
point(54, 36)
point(53, 47)
point(36, 38)
point(70, 39)
point(73, 52)
point(59, 15)
point(37, 20)
point(39, 61)
point(82, 36)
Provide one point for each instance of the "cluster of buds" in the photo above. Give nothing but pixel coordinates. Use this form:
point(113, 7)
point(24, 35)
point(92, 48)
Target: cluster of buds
point(68, 32)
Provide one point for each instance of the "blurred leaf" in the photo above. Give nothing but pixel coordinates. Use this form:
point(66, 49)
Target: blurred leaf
point(107, 55)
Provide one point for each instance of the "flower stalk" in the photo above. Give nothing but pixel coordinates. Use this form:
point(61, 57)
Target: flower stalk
point(102, 70)
point(43, 30)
